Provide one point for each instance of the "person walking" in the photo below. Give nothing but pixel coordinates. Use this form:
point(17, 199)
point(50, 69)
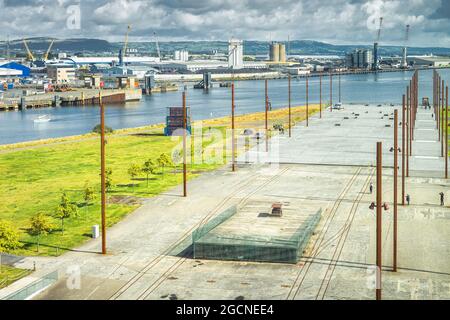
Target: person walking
point(371, 188)
point(442, 198)
point(408, 199)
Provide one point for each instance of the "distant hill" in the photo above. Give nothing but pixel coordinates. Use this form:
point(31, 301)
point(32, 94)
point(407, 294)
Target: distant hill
point(300, 47)
point(66, 45)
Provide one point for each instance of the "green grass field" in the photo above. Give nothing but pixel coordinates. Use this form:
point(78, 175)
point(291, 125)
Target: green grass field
point(9, 275)
point(34, 180)
point(35, 175)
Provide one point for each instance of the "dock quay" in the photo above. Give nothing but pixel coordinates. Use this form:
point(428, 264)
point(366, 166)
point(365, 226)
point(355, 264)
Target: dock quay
point(76, 97)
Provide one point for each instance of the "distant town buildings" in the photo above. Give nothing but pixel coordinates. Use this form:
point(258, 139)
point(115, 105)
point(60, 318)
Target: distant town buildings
point(236, 54)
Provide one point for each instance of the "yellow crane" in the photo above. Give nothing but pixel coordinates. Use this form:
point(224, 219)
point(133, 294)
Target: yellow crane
point(125, 46)
point(30, 55)
point(48, 50)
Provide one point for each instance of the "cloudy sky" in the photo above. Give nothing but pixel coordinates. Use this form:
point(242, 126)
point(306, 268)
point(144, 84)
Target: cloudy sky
point(334, 21)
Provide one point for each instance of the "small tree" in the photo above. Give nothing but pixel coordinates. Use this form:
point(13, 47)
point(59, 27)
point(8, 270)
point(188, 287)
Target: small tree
point(149, 168)
point(164, 160)
point(40, 226)
point(108, 179)
point(98, 129)
point(89, 195)
point(9, 237)
point(133, 172)
point(66, 209)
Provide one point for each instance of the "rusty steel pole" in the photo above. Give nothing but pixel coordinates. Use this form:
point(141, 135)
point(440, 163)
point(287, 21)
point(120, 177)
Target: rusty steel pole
point(267, 114)
point(103, 171)
point(331, 91)
point(320, 94)
point(438, 109)
point(443, 119)
point(184, 146)
point(289, 98)
point(307, 101)
point(340, 94)
point(395, 187)
point(379, 218)
point(446, 133)
point(408, 97)
point(233, 137)
point(403, 148)
point(410, 112)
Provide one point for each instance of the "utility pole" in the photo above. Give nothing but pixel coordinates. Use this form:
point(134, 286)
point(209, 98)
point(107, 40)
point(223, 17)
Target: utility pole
point(233, 138)
point(307, 101)
point(395, 187)
point(320, 94)
point(103, 170)
point(438, 108)
point(446, 132)
point(403, 148)
point(407, 129)
point(267, 115)
point(411, 103)
point(443, 123)
point(331, 91)
point(340, 95)
point(184, 146)
point(289, 98)
point(379, 219)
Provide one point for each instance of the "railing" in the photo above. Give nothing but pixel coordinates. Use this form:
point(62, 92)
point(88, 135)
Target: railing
point(34, 287)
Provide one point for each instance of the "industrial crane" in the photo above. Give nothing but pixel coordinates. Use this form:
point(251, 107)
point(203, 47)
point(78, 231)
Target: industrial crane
point(45, 58)
point(404, 64)
point(30, 56)
point(123, 52)
point(376, 65)
point(158, 51)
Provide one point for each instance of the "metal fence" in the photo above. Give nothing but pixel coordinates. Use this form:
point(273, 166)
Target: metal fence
point(34, 287)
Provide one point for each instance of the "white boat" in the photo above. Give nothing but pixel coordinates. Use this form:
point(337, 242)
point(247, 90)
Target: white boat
point(42, 119)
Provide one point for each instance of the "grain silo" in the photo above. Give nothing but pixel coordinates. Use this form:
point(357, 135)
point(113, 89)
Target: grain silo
point(282, 53)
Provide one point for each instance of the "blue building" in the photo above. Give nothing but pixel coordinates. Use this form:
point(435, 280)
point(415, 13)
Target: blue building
point(26, 71)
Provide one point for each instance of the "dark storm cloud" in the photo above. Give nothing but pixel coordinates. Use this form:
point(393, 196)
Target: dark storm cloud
point(337, 21)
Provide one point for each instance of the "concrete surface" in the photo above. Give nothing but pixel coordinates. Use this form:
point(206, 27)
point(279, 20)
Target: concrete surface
point(322, 166)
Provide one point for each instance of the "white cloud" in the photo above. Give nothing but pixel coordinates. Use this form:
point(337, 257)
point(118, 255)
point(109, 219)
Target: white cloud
point(337, 21)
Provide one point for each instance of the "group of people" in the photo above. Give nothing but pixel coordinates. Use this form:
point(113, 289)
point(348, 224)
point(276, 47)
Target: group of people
point(408, 197)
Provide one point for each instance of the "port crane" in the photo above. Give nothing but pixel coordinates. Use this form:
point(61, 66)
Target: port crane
point(405, 49)
point(30, 55)
point(48, 50)
point(376, 64)
point(123, 52)
point(158, 51)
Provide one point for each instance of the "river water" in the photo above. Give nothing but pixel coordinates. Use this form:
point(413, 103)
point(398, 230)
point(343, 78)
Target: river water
point(379, 88)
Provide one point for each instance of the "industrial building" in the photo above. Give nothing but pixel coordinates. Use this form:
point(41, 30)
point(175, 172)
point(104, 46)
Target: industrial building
point(429, 61)
point(61, 73)
point(359, 59)
point(14, 66)
point(277, 53)
point(236, 54)
point(181, 55)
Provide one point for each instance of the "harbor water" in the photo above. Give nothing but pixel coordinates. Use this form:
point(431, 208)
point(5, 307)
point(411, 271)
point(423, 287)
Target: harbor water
point(382, 88)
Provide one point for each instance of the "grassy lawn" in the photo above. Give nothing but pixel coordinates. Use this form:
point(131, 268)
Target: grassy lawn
point(9, 275)
point(35, 175)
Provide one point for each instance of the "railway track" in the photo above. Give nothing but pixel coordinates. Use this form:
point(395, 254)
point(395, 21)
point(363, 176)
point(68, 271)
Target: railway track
point(156, 283)
point(298, 281)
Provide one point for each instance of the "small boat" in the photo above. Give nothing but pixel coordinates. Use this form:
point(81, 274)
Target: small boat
point(42, 119)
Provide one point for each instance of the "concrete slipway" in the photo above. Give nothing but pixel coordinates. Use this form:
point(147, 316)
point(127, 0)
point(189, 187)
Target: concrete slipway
point(328, 165)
